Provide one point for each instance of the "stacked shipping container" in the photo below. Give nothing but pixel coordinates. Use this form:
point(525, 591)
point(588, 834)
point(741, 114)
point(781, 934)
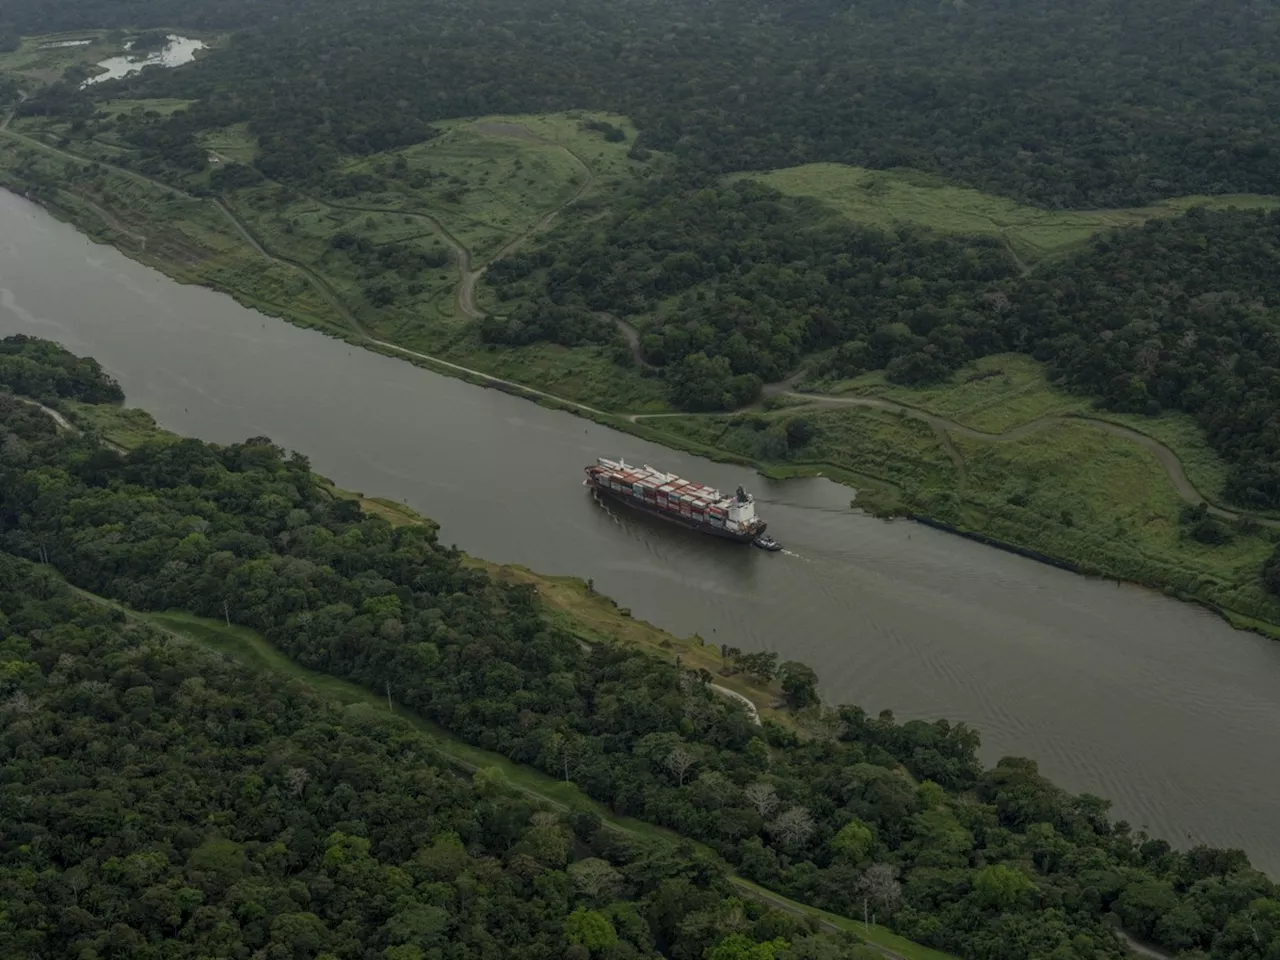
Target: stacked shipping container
point(667, 495)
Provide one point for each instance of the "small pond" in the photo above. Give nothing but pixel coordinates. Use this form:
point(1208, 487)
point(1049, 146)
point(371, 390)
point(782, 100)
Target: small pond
point(176, 52)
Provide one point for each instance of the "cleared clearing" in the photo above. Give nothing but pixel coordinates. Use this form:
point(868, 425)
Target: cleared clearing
point(884, 198)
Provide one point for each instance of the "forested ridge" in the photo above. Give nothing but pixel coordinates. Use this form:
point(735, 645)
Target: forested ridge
point(995, 864)
point(163, 802)
point(1079, 104)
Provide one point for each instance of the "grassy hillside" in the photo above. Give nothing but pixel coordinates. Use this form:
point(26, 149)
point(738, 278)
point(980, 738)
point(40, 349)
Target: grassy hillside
point(448, 206)
point(1068, 489)
point(187, 238)
point(44, 59)
point(490, 181)
point(998, 393)
point(885, 197)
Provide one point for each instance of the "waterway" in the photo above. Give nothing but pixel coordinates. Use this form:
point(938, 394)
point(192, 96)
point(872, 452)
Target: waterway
point(1158, 706)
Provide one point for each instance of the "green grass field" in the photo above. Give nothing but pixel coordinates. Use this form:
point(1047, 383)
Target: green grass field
point(302, 229)
point(491, 180)
point(994, 394)
point(609, 161)
point(38, 61)
point(901, 452)
point(1000, 392)
point(193, 242)
point(586, 374)
point(189, 239)
point(126, 427)
point(883, 198)
point(485, 189)
point(232, 143)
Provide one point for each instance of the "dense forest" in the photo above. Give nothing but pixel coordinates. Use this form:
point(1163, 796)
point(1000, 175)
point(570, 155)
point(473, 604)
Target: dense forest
point(997, 863)
point(160, 802)
point(752, 282)
point(1083, 103)
point(44, 371)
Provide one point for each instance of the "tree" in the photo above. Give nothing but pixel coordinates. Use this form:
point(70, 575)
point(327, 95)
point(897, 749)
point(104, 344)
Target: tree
point(999, 887)
point(853, 841)
point(793, 827)
point(301, 933)
point(737, 946)
point(680, 761)
point(595, 879)
point(560, 751)
point(1271, 572)
point(799, 684)
point(1253, 933)
point(799, 432)
point(762, 665)
point(879, 888)
point(296, 779)
point(762, 796)
point(489, 780)
point(589, 929)
point(1144, 903)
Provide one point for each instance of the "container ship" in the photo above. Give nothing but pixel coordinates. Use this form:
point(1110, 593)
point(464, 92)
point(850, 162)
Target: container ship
point(667, 496)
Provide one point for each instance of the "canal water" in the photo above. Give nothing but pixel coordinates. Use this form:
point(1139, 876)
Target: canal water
point(1158, 706)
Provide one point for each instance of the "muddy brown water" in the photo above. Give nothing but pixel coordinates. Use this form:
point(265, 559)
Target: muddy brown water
point(1158, 706)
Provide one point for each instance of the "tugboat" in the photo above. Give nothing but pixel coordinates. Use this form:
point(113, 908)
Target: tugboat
point(766, 542)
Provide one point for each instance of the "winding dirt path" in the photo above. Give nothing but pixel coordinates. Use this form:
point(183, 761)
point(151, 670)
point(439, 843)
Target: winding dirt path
point(319, 282)
point(13, 110)
point(944, 429)
point(467, 286)
point(746, 702)
point(468, 276)
point(464, 294)
point(632, 336)
point(62, 422)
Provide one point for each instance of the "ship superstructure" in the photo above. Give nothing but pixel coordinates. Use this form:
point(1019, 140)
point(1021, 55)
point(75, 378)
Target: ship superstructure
point(681, 501)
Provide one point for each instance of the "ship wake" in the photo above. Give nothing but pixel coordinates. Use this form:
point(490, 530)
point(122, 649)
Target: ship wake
point(605, 507)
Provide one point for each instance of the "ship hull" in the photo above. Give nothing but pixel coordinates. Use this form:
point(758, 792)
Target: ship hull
point(688, 522)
